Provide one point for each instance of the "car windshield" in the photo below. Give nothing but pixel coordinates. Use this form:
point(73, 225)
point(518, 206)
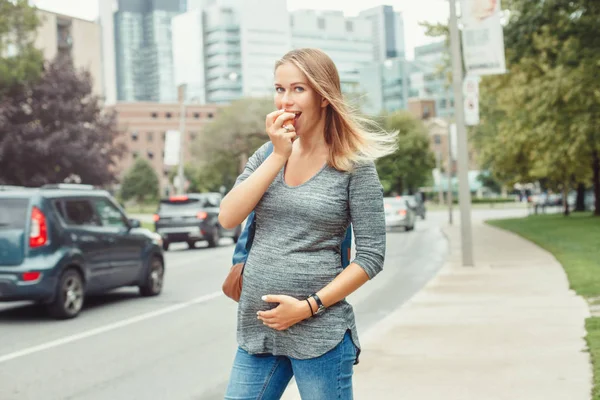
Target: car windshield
point(13, 213)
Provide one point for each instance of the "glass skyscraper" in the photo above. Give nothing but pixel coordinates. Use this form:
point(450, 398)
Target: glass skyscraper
point(143, 47)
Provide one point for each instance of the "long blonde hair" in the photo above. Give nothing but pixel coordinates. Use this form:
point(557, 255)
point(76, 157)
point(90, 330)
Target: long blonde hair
point(351, 139)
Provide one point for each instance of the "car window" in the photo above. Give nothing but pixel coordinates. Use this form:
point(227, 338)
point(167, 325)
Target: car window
point(13, 213)
point(80, 213)
point(395, 203)
point(109, 214)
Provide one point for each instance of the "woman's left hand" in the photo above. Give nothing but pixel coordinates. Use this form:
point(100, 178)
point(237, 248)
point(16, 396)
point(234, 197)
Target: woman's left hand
point(289, 312)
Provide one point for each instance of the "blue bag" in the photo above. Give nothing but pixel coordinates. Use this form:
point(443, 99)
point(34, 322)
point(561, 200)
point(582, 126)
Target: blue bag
point(244, 243)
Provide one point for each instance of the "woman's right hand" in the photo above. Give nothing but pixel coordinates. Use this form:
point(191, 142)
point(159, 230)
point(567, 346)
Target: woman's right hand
point(281, 137)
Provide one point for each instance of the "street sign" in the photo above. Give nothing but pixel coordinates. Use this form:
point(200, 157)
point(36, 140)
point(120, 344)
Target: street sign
point(471, 99)
point(172, 147)
point(482, 37)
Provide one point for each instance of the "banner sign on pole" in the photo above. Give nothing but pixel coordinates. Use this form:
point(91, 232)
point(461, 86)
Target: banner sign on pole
point(482, 37)
point(471, 99)
point(172, 147)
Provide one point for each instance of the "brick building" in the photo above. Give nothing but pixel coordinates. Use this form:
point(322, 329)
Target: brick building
point(144, 127)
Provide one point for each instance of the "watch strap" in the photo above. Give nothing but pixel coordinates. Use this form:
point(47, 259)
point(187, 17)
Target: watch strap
point(320, 306)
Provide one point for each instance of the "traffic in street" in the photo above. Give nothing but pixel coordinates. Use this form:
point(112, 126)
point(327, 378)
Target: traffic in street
point(179, 345)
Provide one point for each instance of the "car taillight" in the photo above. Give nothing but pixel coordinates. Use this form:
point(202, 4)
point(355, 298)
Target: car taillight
point(31, 276)
point(38, 228)
point(402, 212)
point(155, 217)
point(202, 215)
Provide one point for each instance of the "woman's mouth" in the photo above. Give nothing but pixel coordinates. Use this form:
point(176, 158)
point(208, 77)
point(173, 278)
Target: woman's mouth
point(297, 116)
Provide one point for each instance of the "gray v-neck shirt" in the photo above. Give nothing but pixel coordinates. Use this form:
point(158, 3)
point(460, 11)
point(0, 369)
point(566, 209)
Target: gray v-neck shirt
point(296, 252)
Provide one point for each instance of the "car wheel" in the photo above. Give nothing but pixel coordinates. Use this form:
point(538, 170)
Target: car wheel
point(68, 299)
point(165, 245)
point(191, 244)
point(154, 279)
point(213, 241)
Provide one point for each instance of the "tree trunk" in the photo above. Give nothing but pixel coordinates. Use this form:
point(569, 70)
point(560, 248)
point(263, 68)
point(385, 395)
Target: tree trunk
point(567, 212)
point(580, 202)
point(596, 180)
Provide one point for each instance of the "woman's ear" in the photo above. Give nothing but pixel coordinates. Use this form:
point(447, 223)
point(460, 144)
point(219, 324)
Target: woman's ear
point(324, 102)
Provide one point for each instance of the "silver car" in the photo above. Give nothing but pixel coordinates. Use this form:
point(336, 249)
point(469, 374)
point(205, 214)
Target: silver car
point(398, 214)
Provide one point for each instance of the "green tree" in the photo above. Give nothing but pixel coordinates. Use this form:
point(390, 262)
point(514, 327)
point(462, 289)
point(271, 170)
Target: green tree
point(140, 183)
point(221, 152)
point(410, 166)
point(20, 61)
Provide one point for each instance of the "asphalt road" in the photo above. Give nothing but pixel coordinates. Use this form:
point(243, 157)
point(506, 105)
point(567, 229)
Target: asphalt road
point(181, 344)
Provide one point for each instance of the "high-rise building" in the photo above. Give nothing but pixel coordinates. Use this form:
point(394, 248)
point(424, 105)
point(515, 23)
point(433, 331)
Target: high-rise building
point(226, 49)
point(348, 41)
point(137, 35)
point(387, 32)
point(430, 79)
point(78, 39)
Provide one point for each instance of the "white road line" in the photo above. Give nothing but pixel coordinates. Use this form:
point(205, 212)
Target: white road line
point(106, 328)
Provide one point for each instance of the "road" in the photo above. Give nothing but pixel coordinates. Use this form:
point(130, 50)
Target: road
point(181, 344)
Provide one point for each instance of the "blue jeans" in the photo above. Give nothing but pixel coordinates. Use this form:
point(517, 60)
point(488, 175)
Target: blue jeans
point(265, 377)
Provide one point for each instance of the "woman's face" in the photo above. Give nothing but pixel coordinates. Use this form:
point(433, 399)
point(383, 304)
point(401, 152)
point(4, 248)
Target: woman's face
point(294, 94)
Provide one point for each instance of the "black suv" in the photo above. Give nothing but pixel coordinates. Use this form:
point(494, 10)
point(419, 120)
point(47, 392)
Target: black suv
point(60, 243)
point(190, 218)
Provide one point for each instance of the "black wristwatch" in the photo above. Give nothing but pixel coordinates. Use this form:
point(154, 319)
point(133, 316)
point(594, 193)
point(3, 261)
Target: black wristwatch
point(320, 306)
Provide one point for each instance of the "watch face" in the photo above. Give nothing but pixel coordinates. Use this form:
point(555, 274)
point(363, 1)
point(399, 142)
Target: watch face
point(320, 310)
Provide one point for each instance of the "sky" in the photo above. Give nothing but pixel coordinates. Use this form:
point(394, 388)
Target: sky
point(413, 12)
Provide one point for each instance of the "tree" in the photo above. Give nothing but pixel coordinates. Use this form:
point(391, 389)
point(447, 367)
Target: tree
point(20, 61)
point(140, 183)
point(54, 129)
point(235, 134)
point(408, 167)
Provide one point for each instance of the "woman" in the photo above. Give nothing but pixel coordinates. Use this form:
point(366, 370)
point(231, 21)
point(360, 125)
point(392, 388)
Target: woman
point(293, 319)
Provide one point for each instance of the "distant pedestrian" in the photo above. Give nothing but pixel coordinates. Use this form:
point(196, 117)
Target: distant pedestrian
point(293, 318)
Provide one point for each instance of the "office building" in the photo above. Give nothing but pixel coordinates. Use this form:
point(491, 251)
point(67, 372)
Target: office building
point(387, 32)
point(143, 128)
point(137, 48)
point(78, 39)
point(230, 48)
point(348, 41)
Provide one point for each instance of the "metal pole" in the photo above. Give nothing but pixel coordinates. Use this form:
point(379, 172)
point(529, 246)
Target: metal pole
point(464, 194)
point(180, 176)
point(404, 83)
point(438, 165)
point(449, 175)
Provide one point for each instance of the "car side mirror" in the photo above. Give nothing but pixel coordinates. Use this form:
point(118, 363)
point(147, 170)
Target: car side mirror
point(135, 223)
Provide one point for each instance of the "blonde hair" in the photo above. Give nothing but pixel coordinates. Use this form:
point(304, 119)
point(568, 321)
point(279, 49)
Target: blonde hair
point(351, 139)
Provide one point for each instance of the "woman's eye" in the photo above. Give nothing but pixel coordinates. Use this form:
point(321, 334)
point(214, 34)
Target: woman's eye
point(279, 90)
point(299, 89)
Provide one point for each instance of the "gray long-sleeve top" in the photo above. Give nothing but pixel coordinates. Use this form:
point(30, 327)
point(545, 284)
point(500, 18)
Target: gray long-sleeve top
point(296, 252)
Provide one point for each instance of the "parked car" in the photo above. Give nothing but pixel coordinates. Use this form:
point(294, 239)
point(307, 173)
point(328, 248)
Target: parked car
point(60, 243)
point(190, 218)
point(416, 204)
point(399, 214)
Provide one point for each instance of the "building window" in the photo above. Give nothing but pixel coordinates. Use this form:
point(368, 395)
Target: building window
point(321, 23)
point(154, 115)
point(135, 154)
point(150, 136)
point(134, 136)
point(168, 115)
point(349, 26)
point(150, 154)
point(192, 135)
point(210, 115)
point(164, 136)
point(196, 115)
point(437, 139)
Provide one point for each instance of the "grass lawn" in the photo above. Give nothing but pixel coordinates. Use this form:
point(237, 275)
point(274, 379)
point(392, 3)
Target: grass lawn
point(575, 242)
point(148, 225)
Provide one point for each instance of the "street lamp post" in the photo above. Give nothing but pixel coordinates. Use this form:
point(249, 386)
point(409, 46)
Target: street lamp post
point(182, 111)
point(464, 196)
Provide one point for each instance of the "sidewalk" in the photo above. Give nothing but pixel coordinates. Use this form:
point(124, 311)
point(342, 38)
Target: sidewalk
point(507, 329)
